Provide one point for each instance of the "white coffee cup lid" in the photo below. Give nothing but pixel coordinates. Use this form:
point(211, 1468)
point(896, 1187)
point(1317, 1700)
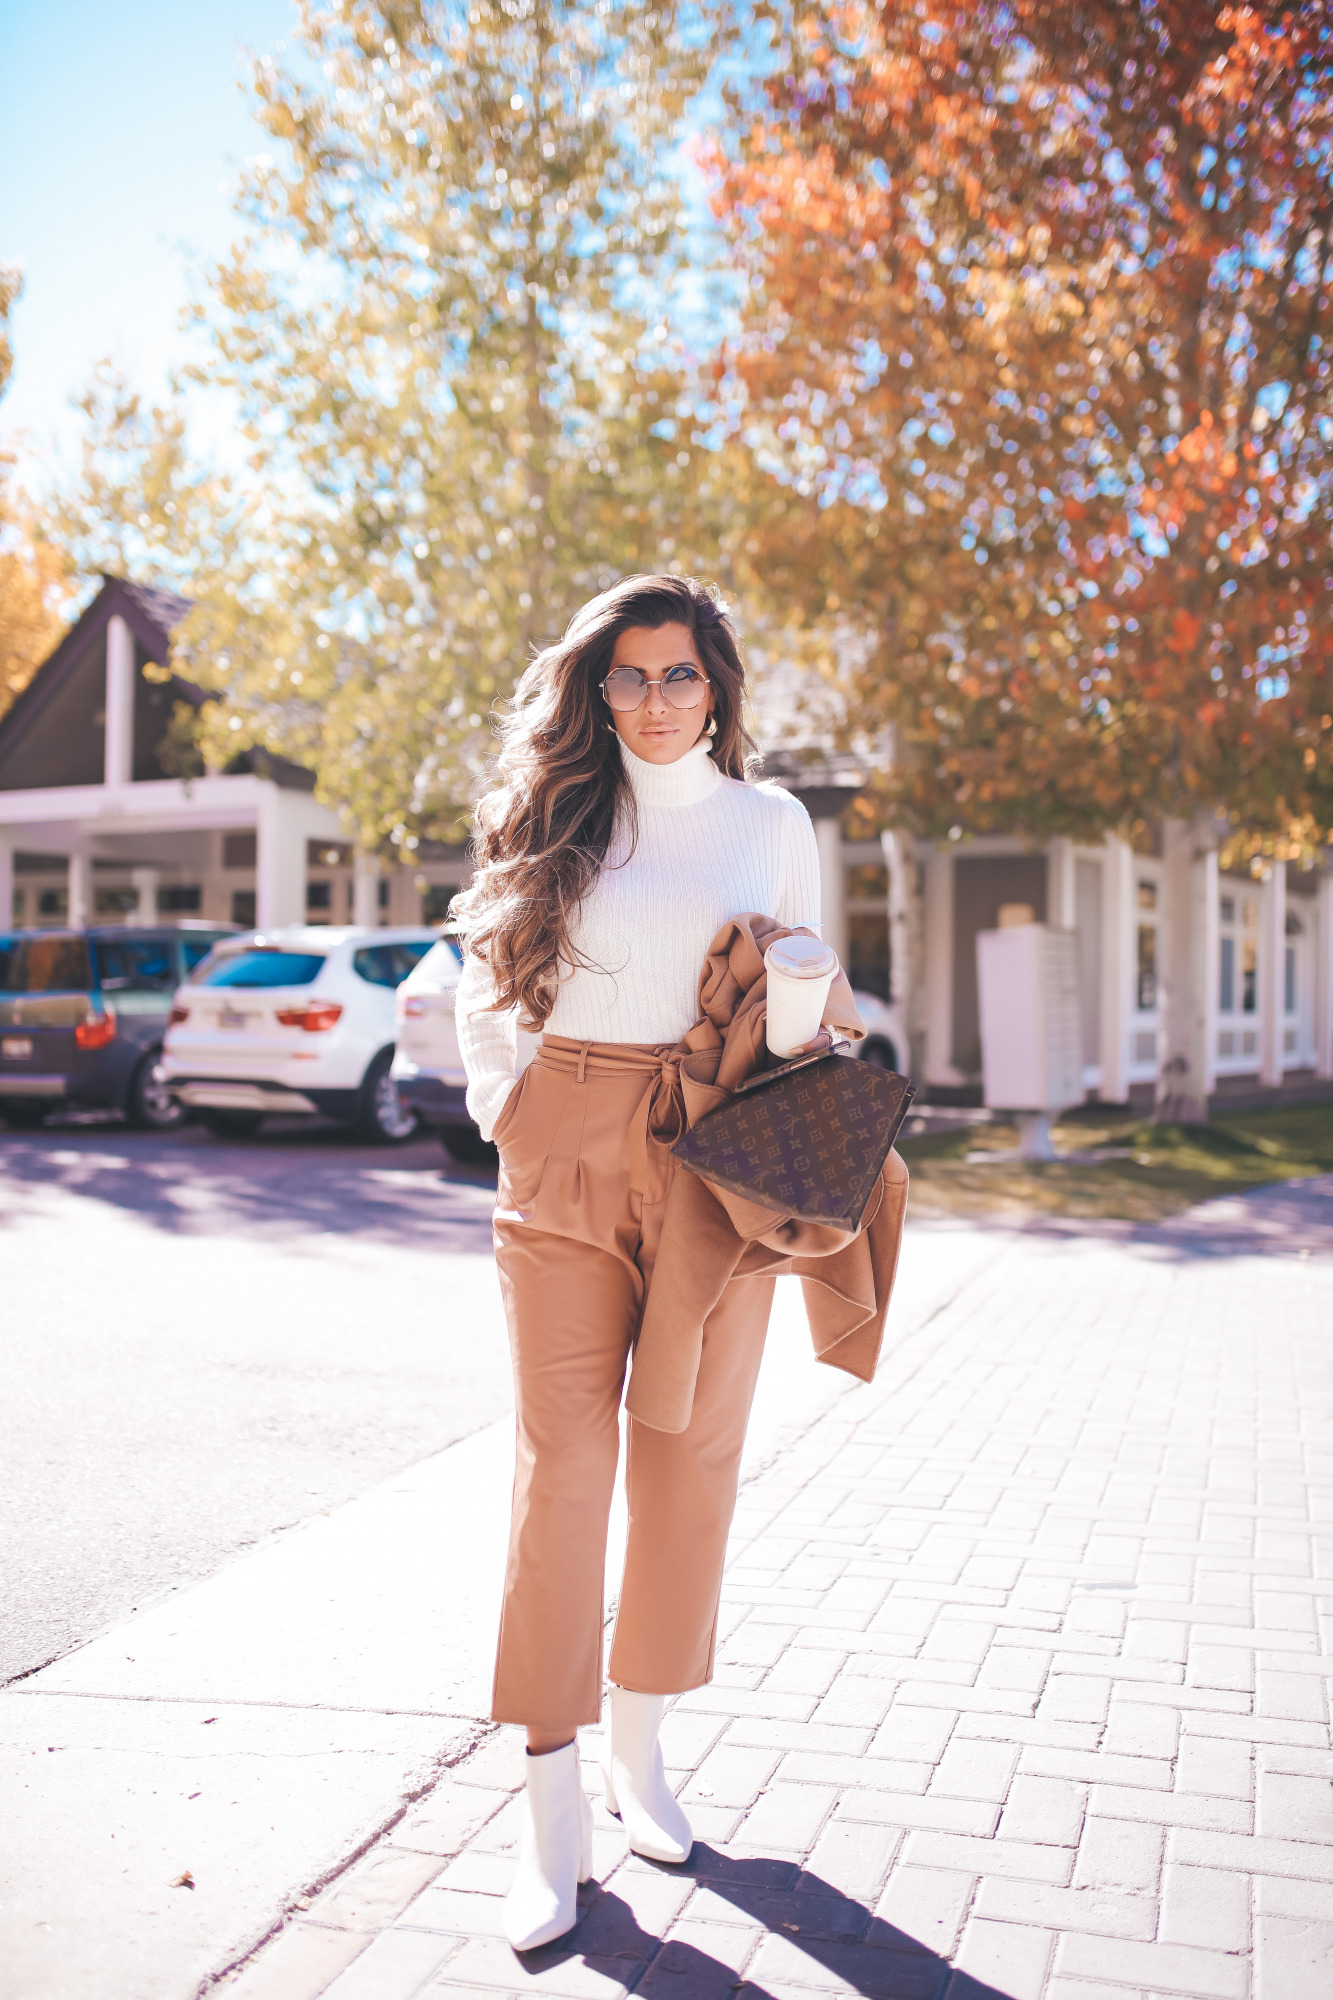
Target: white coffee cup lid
point(802, 957)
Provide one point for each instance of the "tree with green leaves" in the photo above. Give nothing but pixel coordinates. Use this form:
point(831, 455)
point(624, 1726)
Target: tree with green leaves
point(460, 412)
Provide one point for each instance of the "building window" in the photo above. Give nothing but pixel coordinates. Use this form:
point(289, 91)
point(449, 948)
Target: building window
point(239, 850)
point(319, 896)
point(867, 910)
point(384, 892)
point(1145, 988)
point(53, 903)
point(243, 908)
point(435, 900)
point(180, 899)
point(1237, 977)
point(1147, 895)
point(115, 902)
point(1249, 976)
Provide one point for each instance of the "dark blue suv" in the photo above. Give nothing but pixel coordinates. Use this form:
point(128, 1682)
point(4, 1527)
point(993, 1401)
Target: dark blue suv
point(82, 1015)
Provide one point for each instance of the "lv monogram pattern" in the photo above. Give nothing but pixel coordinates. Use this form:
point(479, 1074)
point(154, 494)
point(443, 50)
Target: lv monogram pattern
point(812, 1144)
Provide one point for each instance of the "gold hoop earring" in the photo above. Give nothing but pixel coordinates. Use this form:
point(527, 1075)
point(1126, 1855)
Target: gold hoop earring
point(712, 726)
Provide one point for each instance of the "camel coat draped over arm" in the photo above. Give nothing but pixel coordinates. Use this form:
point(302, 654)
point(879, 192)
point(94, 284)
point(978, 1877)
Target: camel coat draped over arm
point(710, 1235)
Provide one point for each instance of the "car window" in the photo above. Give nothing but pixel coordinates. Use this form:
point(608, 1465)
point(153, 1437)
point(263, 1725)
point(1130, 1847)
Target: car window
point(262, 968)
point(195, 949)
point(49, 965)
point(136, 965)
point(388, 964)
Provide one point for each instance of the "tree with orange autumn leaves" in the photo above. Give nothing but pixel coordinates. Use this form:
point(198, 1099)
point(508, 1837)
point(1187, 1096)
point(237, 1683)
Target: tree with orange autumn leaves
point(1038, 353)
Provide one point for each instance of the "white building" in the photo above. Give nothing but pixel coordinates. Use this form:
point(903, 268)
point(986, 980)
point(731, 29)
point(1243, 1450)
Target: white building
point(94, 828)
point(913, 941)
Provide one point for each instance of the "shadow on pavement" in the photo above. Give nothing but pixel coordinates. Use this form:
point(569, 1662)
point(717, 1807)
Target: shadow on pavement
point(813, 1931)
point(292, 1180)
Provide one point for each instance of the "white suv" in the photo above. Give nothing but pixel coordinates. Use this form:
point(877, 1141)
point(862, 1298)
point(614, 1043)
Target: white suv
point(299, 1019)
point(432, 1082)
point(427, 1068)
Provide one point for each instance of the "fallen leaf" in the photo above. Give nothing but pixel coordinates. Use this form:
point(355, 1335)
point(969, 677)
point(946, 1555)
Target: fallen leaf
point(185, 1881)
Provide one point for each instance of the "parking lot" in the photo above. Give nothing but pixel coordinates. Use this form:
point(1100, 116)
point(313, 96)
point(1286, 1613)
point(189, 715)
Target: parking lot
point(212, 1339)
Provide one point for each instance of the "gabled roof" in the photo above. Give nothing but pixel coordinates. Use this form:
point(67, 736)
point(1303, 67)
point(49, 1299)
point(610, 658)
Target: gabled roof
point(151, 615)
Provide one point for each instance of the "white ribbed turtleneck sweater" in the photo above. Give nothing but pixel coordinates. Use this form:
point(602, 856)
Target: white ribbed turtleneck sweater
point(708, 848)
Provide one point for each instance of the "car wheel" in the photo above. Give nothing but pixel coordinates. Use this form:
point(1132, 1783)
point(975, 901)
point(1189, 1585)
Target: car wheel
point(879, 1053)
point(149, 1106)
point(25, 1114)
point(232, 1124)
point(383, 1119)
point(465, 1144)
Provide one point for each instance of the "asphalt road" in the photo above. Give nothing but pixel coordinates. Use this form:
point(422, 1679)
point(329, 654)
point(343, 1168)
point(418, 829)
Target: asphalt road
point(203, 1342)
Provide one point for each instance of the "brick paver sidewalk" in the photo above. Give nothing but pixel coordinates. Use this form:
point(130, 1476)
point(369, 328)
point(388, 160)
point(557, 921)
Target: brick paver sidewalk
point(1023, 1690)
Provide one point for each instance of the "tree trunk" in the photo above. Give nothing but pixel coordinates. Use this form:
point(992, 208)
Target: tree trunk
point(1187, 953)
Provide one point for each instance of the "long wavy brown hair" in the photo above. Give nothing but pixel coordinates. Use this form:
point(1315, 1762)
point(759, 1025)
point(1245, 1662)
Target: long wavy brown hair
point(543, 831)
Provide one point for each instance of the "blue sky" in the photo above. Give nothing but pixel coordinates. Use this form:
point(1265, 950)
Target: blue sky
point(119, 125)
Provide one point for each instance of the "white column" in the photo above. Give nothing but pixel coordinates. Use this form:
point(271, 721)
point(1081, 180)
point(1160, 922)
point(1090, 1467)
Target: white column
point(1060, 907)
point(79, 893)
point(145, 886)
point(1272, 956)
point(897, 864)
point(119, 740)
point(1323, 976)
point(6, 881)
point(280, 869)
point(1187, 971)
point(939, 967)
point(832, 887)
point(365, 888)
point(1117, 967)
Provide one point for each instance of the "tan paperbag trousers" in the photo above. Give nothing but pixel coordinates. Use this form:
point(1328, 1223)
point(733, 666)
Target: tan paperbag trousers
point(577, 1219)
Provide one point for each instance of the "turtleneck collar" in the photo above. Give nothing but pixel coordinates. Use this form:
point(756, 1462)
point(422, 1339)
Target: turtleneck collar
point(691, 778)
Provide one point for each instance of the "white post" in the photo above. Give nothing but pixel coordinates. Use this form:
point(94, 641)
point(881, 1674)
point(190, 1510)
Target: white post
point(6, 882)
point(1272, 958)
point(1117, 967)
point(1187, 971)
point(896, 864)
point(280, 859)
point(832, 893)
point(79, 897)
point(1060, 904)
point(365, 888)
point(939, 967)
point(119, 738)
point(145, 886)
point(1323, 976)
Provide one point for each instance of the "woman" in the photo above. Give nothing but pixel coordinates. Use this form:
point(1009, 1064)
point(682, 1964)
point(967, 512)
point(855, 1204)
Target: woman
point(623, 832)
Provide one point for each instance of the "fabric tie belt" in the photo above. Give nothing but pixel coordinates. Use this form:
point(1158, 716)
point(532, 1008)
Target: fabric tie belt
point(660, 1112)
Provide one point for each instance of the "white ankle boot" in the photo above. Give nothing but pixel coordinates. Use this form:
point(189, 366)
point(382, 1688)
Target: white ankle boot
point(635, 1782)
point(555, 1851)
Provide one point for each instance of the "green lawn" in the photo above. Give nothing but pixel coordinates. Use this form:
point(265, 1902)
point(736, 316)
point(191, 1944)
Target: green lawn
point(1162, 1168)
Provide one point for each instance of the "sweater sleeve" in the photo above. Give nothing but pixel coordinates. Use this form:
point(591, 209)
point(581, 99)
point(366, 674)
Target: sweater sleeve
point(798, 892)
point(487, 1042)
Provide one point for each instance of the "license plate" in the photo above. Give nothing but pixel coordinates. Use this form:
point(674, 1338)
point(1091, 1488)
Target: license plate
point(232, 1017)
point(16, 1048)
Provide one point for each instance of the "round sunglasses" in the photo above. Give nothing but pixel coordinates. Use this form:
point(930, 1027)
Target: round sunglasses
point(625, 688)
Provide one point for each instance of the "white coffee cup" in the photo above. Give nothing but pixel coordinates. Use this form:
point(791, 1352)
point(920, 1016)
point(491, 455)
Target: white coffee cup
point(800, 972)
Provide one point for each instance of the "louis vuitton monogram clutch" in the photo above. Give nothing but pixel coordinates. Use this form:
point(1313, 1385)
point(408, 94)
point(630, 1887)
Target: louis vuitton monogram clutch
point(809, 1139)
